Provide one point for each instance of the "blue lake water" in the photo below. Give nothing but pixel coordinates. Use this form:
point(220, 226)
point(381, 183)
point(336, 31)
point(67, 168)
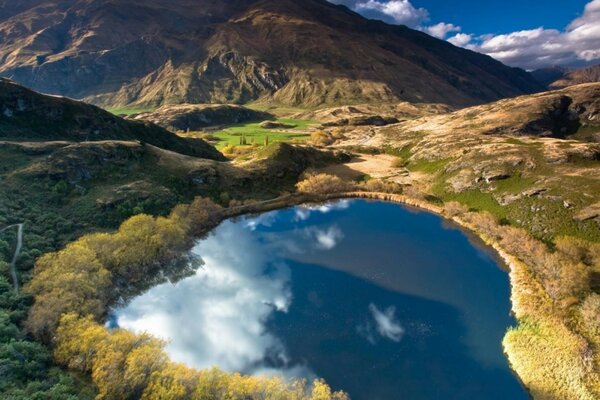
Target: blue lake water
point(380, 300)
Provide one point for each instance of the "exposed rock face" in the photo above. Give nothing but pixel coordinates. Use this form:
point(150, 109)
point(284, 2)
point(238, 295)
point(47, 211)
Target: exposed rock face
point(184, 117)
point(156, 52)
point(27, 115)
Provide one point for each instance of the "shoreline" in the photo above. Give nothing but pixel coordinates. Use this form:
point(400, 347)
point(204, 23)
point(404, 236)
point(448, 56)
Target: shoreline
point(522, 350)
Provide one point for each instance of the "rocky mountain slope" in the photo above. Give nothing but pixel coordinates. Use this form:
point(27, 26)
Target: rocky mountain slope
point(27, 115)
point(294, 52)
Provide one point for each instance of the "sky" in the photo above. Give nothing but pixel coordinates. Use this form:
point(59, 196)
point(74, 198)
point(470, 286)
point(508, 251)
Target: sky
point(529, 34)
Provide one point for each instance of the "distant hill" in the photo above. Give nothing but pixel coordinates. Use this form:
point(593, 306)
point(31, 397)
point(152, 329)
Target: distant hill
point(559, 77)
point(569, 113)
point(546, 76)
point(183, 117)
point(27, 115)
point(578, 76)
point(293, 52)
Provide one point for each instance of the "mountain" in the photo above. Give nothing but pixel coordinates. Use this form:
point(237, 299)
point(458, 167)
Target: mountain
point(546, 76)
point(293, 52)
point(559, 77)
point(27, 115)
point(578, 76)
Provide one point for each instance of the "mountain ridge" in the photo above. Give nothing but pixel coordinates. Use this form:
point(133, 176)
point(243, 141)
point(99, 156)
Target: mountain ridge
point(288, 52)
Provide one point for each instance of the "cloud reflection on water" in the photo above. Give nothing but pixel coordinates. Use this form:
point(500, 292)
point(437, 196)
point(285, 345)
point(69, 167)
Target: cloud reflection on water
point(218, 317)
point(383, 323)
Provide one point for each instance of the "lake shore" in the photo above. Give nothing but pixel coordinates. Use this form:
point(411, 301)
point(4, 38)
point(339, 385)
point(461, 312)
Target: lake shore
point(543, 350)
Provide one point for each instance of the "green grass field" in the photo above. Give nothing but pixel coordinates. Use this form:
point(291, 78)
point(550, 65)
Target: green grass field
point(255, 134)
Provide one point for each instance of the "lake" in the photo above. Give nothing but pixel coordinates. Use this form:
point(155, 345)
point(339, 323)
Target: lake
point(380, 300)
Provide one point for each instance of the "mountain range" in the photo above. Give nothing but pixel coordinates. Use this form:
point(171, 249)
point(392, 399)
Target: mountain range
point(292, 52)
point(556, 77)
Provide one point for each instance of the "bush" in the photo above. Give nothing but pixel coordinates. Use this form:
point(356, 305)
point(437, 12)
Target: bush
point(321, 138)
point(324, 184)
point(399, 163)
point(200, 216)
point(590, 313)
point(380, 186)
point(454, 209)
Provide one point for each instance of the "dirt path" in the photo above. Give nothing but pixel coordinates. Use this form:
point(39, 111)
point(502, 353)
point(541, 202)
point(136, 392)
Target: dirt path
point(13, 263)
point(380, 166)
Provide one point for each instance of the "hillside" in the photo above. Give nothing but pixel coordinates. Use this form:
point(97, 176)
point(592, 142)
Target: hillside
point(573, 112)
point(578, 76)
point(183, 117)
point(558, 77)
point(27, 115)
point(156, 52)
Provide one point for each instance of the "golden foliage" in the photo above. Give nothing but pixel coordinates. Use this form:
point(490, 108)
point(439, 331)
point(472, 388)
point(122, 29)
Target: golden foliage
point(72, 290)
point(71, 279)
point(323, 184)
point(590, 313)
point(199, 216)
point(129, 366)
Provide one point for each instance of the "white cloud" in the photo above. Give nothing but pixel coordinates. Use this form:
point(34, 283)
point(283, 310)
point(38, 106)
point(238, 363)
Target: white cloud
point(402, 11)
point(540, 47)
point(533, 48)
point(441, 30)
point(460, 39)
point(386, 324)
point(392, 11)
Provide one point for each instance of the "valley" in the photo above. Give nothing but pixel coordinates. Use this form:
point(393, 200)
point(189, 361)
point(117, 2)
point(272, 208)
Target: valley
point(271, 168)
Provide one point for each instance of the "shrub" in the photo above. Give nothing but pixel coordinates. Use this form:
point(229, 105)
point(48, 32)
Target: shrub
point(200, 216)
point(321, 138)
point(381, 186)
point(323, 184)
point(590, 313)
point(454, 209)
point(399, 163)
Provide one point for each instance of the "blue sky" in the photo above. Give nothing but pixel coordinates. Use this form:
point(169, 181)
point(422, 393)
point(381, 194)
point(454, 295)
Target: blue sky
point(482, 17)
point(523, 33)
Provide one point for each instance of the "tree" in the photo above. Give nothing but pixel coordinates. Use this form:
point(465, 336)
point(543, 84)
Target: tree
point(173, 382)
point(72, 279)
